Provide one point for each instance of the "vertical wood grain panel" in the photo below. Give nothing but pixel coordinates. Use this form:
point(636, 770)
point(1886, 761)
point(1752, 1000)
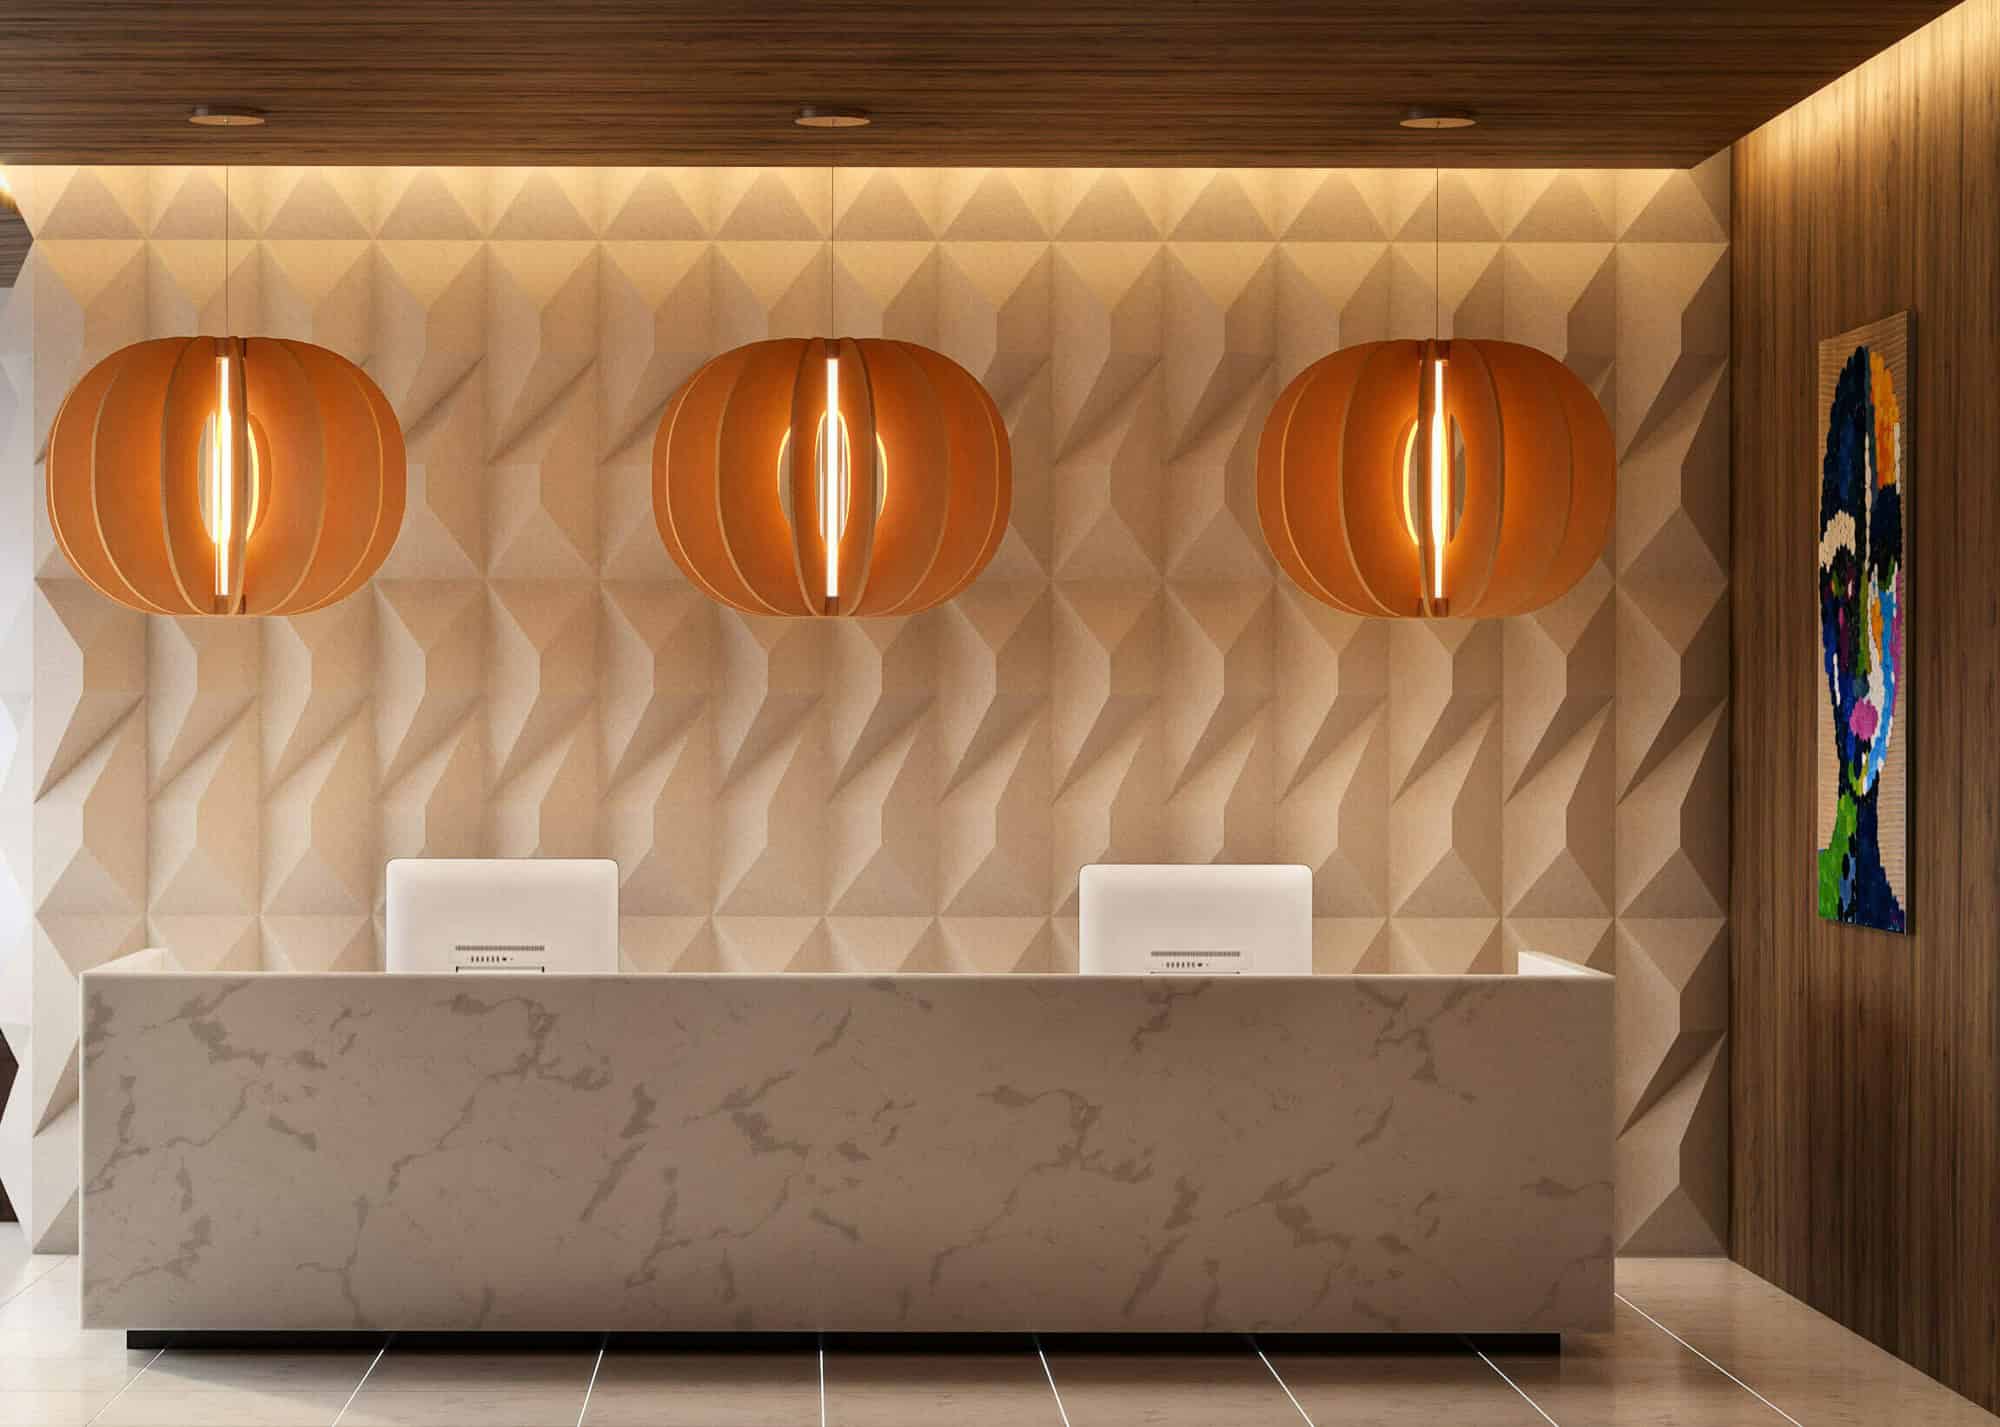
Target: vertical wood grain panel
point(1972, 1360)
point(1932, 100)
point(1865, 1168)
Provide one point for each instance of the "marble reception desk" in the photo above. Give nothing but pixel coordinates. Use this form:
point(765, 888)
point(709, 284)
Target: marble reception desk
point(925, 1153)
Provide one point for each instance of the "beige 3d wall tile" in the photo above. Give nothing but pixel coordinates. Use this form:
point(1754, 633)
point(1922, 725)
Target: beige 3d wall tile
point(1129, 680)
point(17, 692)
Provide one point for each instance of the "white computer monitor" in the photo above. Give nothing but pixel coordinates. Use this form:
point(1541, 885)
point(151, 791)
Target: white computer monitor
point(1196, 920)
point(506, 915)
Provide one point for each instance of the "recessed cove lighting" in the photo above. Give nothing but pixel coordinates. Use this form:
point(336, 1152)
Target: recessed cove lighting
point(225, 116)
point(832, 116)
point(1431, 117)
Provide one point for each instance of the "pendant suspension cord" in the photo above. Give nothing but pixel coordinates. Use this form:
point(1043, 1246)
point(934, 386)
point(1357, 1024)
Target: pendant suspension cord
point(831, 523)
point(225, 250)
point(1438, 482)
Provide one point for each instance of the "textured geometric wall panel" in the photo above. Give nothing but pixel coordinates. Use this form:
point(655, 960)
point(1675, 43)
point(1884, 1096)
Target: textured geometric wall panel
point(1129, 680)
point(17, 688)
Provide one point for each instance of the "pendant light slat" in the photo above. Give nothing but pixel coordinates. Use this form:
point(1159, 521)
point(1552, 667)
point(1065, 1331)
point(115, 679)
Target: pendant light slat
point(292, 514)
point(857, 436)
point(1535, 456)
point(377, 444)
point(903, 539)
point(1475, 414)
point(981, 499)
point(1385, 550)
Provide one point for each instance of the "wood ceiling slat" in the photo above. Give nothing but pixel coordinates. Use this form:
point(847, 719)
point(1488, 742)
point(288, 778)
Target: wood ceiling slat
point(1198, 82)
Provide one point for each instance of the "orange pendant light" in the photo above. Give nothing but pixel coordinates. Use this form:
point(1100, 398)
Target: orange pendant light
point(832, 477)
point(1433, 479)
point(1428, 479)
point(820, 477)
point(226, 476)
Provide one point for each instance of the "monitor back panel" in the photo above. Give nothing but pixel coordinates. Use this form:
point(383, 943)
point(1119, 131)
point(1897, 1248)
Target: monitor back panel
point(1196, 920)
point(502, 915)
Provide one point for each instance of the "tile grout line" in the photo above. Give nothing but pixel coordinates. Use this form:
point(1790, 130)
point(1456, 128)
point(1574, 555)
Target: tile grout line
point(584, 1411)
point(1258, 1349)
point(1050, 1373)
point(1707, 1359)
point(59, 1258)
point(1511, 1383)
point(128, 1383)
point(364, 1379)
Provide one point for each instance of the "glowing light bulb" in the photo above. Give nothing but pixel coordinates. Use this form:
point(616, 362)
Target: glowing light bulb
point(227, 521)
point(1440, 481)
point(222, 478)
point(832, 478)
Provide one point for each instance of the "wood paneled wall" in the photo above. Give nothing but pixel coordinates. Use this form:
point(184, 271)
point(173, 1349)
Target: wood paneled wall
point(1866, 1174)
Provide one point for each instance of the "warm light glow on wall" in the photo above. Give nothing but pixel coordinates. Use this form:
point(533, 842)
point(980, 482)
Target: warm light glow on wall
point(832, 534)
point(224, 475)
point(1430, 479)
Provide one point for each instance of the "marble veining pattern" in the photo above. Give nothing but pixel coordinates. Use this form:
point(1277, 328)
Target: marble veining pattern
point(868, 1153)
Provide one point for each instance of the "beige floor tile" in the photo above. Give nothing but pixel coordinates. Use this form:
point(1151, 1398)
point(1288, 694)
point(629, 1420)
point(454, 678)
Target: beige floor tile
point(16, 1277)
point(1169, 1390)
point(406, 1370)
point(142, 1405)
point(1402, 1390)
point(466, 1406)
point(51, 1409)
point(998, 1389)
point(1633, 1376)
point(66, 1343)
point(18, 1268)
point(668, 1389)
point(49, 1302)
point(1803, 1361)
point(64, 1374)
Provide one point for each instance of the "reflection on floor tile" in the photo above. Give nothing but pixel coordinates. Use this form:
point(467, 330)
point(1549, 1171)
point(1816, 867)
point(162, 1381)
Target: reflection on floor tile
point(1401, 1389)
point(416, 1370)
point(90, 1374)
point(1804, 1362)
point(467, 1405)
point(995, 1389)
point(1169, 1390)
point(141, 1405)
point(691, 1389)
point(204, 1369)
point(51, 1409)
point(1633, 1376)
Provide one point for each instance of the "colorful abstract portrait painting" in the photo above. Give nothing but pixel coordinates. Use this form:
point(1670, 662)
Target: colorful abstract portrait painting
point(1864, 584)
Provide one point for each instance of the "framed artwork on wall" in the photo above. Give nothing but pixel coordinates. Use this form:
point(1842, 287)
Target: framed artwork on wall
point(1866, 405)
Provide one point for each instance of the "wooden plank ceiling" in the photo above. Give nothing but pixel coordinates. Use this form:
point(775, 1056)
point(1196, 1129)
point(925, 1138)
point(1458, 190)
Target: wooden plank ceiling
point(1026, 82)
